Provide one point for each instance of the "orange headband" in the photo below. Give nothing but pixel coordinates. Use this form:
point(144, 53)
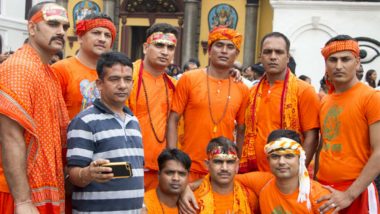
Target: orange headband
point(83, 26)
point(50, 12)
point(223, 33)
point(219, 152)
point(160, 37)
point(337, 46)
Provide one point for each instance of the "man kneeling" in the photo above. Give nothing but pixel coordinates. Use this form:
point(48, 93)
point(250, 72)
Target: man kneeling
point(174, 166)
point(291, 191)
point(219, 192)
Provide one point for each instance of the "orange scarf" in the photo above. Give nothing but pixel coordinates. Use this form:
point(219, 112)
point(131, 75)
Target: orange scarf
point(138, 69)
point(206, 198)
point(44, 141)
point(289, 117)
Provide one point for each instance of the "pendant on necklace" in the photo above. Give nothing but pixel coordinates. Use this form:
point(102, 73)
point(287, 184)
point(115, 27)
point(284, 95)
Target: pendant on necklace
point(215, 129)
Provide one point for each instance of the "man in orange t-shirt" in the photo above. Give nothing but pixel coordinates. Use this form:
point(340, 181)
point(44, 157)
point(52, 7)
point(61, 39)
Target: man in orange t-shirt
point(350, 127)
point(151, 96)
point(279, 100)
point(96, 34)
point(291, 191)
point(33, 119)
point(174, 166)
point(210, 101)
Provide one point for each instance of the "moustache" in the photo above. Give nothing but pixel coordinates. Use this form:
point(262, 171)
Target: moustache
point(60, 38)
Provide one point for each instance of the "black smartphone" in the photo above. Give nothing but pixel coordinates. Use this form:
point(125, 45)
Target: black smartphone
point(120, 169)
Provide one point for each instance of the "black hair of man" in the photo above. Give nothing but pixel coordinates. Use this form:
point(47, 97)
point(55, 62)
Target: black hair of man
point(110, 59)
point(292, 64)
point(258, 69)
point(176, 155)
point(223, 142)
point(323, 84)
point(37, 7)
point(186, 66)
point(92, 16)
point(341, 37)
point(279, 133)
point(277, 35)
point(195, 61)
point(161, 27)
point(303, 77)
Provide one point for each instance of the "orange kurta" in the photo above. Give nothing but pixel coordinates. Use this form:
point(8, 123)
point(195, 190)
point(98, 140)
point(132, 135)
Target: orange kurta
point(30, 94)
point(77, 83)
point(345, 121)
point(272, 200)
point(269, 118)
point(154, 206)
point(158, 106)
point(191, 100)
point(240, 200)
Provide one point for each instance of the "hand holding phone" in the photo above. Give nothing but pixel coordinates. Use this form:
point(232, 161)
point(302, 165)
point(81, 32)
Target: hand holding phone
point(120, 169)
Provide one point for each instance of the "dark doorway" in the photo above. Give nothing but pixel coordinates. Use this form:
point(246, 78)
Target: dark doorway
point(138, 39)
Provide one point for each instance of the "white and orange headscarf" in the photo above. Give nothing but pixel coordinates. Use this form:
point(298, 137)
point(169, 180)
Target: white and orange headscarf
point(50, 12)
point(289, 146)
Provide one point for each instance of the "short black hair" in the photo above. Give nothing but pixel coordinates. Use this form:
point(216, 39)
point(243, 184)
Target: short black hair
point(110, 59)
point(279, 133)
point(59, 54)
point(161, 27)
point(224, 142)
point(303, 77)
point(278, 35)
point(92, 16)
point(195, 61)
point(186, 66)
point(37, 7)
point(258, 68)
point(292, 64)
point(341, 37)
point(176, 155)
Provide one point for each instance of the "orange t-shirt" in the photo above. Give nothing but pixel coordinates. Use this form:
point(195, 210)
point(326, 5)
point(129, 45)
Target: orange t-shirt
point(269, 118)
point(154, 206)
point(345, 121)
point(158, 106)
point(272, 200)
point(254, 181)
point(191, 100)
point(77, 83)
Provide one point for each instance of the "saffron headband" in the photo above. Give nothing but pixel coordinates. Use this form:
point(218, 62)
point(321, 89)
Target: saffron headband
point(163, 38)
point(83, 26)
point(219, 152)
point(50, 12)
point(289, 146)
point(343, 45)
point(223, 33)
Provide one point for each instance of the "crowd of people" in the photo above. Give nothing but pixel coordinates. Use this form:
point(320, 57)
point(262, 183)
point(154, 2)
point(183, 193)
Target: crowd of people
point(200, 141)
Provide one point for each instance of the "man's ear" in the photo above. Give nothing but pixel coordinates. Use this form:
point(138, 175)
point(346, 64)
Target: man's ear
point(145, 47)
point(207, 162)
point(99, 84)
point(32, 28)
